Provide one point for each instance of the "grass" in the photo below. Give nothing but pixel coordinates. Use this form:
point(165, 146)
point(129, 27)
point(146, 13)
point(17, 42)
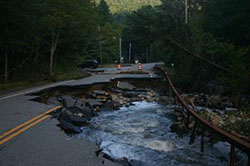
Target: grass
point(5, 88)
point(59, 76)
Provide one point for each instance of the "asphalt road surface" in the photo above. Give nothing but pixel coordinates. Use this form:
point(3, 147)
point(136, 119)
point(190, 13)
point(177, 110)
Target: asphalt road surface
point(42, 143)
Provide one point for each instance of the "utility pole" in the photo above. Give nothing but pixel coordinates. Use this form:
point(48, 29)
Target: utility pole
point(100, 48)
point(100, 43)
point(120, 41)
point(186, 11)
point(130, 48)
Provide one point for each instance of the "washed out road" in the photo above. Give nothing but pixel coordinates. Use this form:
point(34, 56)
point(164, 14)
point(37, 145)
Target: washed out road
point(28, 137)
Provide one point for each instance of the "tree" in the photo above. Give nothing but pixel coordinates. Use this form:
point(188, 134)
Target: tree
point(228, 20)
point(104, 12)
point(40, 32)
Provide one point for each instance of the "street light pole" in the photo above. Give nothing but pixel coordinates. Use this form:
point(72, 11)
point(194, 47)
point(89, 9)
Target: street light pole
point(186, 11)
point(100, 48)
point(130, 48)
point(120, 41)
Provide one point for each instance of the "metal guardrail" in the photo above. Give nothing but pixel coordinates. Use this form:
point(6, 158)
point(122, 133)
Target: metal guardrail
point(235, 141)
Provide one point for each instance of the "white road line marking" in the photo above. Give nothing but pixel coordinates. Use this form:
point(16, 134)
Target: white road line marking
point(33, 90)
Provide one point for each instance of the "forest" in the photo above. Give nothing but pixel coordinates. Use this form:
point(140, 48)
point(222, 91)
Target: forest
point(116, 6)
point(210, 48)
point(42, 40)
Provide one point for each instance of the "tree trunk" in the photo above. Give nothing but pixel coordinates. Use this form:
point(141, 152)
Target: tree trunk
point(151, 57)
point(146, 54)
point(6, 75)
point(37, 54)
point(52, 53)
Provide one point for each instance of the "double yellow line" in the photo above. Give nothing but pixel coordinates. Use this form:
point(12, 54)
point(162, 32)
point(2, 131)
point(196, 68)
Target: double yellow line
point(5, 137)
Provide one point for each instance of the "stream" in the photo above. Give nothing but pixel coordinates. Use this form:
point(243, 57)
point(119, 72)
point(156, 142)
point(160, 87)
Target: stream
point(141, 133)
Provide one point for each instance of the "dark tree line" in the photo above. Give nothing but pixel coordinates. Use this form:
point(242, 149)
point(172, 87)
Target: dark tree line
point(41, 37)
point(212, 46)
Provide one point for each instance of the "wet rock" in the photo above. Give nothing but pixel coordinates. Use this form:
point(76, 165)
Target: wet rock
point(53, 101)
point(166, 100)
point(150, 99)
point(67, 101)
point(100, 92)
point(203, 100)
point(69, 127)
point(117, 90)
point(84, 112)
point(115, 98)
point(230, 109)
point(137, 163)
point(178, 113)
point(125, 86)
point(94, 102)
point(109, 106)
point(102, 97)
point(191, 125)
point(179, 118)
point(123, 161)
point(117, 105)
point(69, 117)
point(214, 101)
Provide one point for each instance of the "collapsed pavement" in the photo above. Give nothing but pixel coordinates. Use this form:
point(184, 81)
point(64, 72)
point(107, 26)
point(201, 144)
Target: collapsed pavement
point(80, 104)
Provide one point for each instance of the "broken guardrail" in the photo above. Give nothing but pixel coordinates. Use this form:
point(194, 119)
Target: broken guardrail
point(234, 141)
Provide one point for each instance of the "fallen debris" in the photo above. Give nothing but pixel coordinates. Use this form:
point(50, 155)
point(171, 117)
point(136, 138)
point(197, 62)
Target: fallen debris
point(125, 86)
point(77, 112)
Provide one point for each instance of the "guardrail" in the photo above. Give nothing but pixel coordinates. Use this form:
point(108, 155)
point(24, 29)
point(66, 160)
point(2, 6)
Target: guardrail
point(235, 141)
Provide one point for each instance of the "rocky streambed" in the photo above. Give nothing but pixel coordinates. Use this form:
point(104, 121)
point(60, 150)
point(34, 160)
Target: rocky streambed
point(220, 111)
point(136, 124)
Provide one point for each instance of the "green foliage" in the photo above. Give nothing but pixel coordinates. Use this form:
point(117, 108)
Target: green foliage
point(229, 20)
point(104, 13)
point(33, 27)
point(163, 29)
point(110, 35)
point(129, 5)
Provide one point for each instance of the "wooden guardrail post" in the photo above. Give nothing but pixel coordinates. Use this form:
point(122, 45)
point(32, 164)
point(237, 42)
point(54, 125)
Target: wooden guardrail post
point(192, 137)
point(232, 155)
point(202, 138)
point(248, 159)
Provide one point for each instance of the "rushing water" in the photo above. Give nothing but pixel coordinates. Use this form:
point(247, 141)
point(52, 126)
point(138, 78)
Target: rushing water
point(141, 133)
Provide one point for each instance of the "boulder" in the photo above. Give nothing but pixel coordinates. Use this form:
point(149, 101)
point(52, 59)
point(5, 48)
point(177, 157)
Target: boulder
point(94, 102)
point(70, 101)
point(125, 86)
point(231, 109)
point(53, 101)
point(84, 111)
point(69, 127)
point(191, 125)
point(100, 92)
point(214, 101)
point(67, 116)
point(109, 106)
point(116, 90)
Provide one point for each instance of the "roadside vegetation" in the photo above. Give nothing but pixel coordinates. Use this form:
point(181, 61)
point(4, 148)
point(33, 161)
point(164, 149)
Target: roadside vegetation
point(46, 40)
point(118, 6)
point(209, 48)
